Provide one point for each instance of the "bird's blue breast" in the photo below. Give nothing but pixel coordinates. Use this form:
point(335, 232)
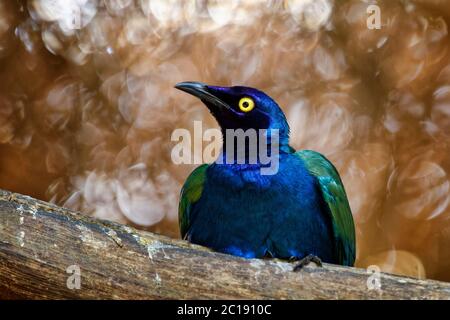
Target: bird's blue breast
point(244, 213)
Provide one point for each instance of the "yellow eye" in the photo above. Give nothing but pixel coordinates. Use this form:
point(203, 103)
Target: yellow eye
point(246, 104)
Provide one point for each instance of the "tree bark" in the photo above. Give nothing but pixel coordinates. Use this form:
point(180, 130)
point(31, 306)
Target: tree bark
point(42, 246)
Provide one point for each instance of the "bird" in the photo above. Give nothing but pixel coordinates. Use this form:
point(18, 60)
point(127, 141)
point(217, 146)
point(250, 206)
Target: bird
point(300, 213)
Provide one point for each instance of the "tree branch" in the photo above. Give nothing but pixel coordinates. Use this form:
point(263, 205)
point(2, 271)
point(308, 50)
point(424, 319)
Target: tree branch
point(39, 241)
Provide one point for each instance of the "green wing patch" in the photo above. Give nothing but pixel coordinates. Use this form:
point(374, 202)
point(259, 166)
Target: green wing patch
point(190, 193)
point(333, 193)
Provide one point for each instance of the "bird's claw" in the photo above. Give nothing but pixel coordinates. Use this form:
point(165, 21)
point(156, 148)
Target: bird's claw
point(307, 260)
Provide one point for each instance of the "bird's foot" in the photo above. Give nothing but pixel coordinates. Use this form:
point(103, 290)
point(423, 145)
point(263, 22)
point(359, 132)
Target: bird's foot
point(306, 261)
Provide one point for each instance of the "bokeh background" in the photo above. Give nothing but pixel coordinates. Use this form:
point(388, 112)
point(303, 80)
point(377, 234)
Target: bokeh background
point(87, 106)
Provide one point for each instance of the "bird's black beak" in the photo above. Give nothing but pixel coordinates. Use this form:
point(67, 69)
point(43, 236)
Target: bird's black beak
point(201, 91)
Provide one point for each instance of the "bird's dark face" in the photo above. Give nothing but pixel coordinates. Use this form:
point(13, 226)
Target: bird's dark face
point(239, 107)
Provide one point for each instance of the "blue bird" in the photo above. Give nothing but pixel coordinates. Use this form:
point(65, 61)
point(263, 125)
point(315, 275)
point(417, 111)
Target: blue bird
point(299, 213)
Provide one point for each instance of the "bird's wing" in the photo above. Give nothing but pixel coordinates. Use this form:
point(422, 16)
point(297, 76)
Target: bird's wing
point(190, 194)
point(333, 193)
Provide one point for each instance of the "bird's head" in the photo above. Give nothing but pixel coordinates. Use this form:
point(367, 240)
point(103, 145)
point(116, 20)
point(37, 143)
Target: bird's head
point(240, 107)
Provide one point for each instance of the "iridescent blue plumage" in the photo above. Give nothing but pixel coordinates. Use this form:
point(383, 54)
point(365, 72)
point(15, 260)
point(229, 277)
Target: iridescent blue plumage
point(299, 211)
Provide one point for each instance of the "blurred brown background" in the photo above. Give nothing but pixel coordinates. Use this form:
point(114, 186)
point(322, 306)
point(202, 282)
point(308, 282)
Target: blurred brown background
point(87, 106)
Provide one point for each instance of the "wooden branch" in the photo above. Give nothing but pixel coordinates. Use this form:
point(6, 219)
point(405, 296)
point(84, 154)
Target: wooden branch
point(39, 241)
